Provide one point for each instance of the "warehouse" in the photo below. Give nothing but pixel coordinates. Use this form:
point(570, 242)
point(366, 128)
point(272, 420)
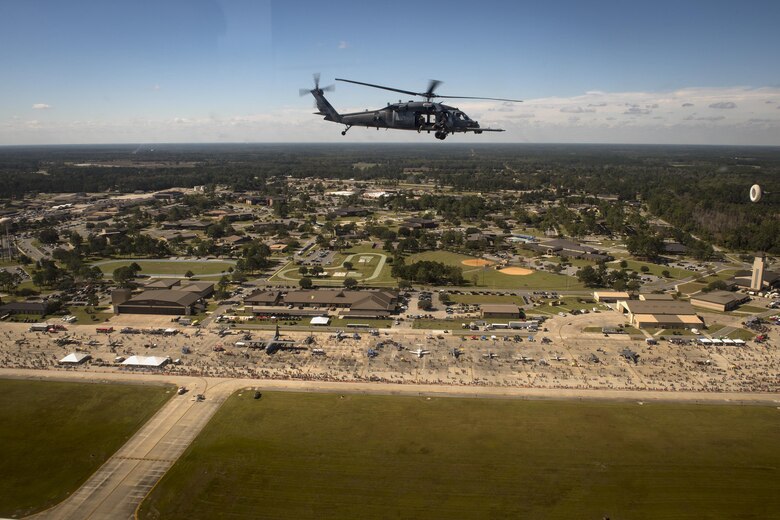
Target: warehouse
point(660, 314)
point(721, 301)
point(501, 310)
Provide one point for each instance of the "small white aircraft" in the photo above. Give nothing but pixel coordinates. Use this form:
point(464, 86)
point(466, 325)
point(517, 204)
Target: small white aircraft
point(490, 355)
point(420, 352)
point(558, 358)
point(524, 359)
point(317, 352)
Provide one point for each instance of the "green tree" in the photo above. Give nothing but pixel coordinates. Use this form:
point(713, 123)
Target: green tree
point(305, 283)
point(350, 283)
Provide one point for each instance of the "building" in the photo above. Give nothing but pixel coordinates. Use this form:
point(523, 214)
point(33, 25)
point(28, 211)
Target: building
point(757, 277)
point(366, 304)
point(263, 298)
point(610, 296)
point(203, 289)
point(719, 300)
point(660, 314)
point(33, 308)
point(569, 249)
point(501, 310)
point(158, 301)
point(650, 297)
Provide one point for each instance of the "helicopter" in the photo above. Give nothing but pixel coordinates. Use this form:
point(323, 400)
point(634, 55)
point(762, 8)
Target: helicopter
point(422, 116)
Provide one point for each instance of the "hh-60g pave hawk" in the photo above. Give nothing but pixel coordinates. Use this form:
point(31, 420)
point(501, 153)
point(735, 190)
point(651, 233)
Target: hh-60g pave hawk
point(422, 116)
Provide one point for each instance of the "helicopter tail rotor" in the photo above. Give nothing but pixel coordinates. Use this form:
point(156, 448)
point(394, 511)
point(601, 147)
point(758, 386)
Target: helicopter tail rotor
point(329, 88)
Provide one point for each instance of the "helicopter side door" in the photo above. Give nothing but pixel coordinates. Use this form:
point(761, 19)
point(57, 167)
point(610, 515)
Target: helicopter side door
point(404, 118)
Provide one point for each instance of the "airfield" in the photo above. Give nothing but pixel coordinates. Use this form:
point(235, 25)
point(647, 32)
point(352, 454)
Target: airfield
point(555, 365)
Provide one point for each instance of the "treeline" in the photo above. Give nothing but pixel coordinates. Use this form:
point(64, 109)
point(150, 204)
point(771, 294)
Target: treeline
point(700, 190)
point(428, 272)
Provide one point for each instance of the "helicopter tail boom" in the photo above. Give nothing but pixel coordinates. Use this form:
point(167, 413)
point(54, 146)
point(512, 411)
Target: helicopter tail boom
point(324, 107)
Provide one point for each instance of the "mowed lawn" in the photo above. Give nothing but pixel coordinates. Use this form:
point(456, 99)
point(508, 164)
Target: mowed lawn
point(326, 456)
point(490, 277)
point(55, 435)
point(174, 268)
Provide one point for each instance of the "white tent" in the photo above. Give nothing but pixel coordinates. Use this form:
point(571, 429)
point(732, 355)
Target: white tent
point(320, 320)
point(75, 358)
point(145, 361)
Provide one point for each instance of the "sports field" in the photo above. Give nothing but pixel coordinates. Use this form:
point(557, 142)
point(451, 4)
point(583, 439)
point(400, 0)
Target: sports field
point(328, 456)
point(210, 268)
point(494, 279)
point(55, 435)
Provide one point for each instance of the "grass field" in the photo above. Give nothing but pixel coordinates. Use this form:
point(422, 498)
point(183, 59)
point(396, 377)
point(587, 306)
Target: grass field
point(173, 268)
point(487, 277)
point(55, 435)
point(327, 456)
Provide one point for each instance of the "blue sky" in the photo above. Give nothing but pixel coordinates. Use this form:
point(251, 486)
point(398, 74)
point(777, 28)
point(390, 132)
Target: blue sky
point(210, 70)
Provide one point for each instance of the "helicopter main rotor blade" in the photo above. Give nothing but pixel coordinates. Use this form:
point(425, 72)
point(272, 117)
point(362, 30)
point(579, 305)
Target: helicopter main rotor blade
point(384, 88)
point(474, 97)
point(432, 85)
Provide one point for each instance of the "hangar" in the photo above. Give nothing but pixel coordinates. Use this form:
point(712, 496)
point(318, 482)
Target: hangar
point(160, 301)
point(660, 314)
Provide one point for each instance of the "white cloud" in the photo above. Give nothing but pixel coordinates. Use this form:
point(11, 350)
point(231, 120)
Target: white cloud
point(41, 106)
point(576, 110)
point(751, 121)
point(724, 105)
point(156, 87)
point(343, 45)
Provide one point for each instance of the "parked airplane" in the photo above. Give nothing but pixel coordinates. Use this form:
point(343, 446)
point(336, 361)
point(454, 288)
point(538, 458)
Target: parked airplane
point(524, 359)
point(594, 359)
point(559, 358)
point(317, 352)
point(490, 355)
point(420, 352)
point(371, 353)
point(456, 352)
point(276, 343)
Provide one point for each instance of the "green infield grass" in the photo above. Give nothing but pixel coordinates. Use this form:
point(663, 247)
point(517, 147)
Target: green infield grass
point(330, 456)
point(55, 435)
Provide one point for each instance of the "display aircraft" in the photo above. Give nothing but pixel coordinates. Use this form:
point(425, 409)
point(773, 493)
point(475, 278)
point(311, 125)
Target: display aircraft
point(490, 355)
point(420, 352)
point(524, 359)
point(558, 358)
point(422, 116)
point(275, 343)
point(456, 352)
point(317, 352)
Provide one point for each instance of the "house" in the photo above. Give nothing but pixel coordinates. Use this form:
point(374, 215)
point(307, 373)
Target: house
point(419, 223)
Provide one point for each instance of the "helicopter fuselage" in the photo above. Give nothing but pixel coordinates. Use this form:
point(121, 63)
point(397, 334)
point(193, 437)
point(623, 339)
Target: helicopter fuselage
point(414, 115)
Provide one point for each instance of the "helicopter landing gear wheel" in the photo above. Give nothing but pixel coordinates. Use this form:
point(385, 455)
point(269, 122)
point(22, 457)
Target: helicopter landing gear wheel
point(345, 130)
point(441, 135)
